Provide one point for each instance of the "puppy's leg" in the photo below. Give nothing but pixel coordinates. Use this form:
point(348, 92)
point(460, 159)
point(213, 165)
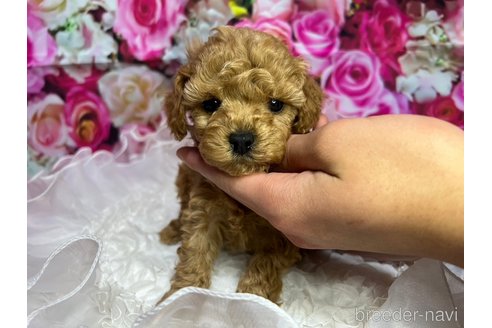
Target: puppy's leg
point(197, 254)
point(172, 233)
point(265, 270)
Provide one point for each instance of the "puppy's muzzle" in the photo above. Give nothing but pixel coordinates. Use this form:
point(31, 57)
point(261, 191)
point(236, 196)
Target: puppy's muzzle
point(241, 142)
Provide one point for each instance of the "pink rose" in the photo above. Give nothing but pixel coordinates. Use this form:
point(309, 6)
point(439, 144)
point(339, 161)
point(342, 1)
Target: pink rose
point(275, 27)
point(148, 25)
point(343, 107)
point(356, 75)
point(355, 88)
point(383, 31)
point(41, 47)
point(316, 35)
point(88, 118)
point(35, 80)
point(443, 108)
point(458, 95)
point(47, 130)
point(392, 103)
point(336, 9)
point(274, 9)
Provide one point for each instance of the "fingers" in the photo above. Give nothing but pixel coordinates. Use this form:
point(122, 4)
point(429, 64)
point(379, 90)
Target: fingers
point(303, 153)
point(278, 197)
point(318, 150)
point(254, 191)
point(191, 157)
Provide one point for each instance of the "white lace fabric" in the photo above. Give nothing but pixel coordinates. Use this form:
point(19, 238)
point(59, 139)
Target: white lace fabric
point(95, 260)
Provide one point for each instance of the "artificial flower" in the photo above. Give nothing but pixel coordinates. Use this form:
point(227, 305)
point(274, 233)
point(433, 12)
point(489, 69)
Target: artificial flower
point(47, 130)
point(443, 108)
point(36, 78)
point(336, 9)
point(275, 27)
point(35, 81)
point(383, 31)
point(354, 74)
point(316, 35)
point(64, 79)
point(341, 106)
point(455, 26)
point(424, 85)
point(421, 27)
point(56, 12)
point(203, 17)
point(82, 40)
point(133, 94)
point(372, 57)
point(275, 9)
point(148, 25)
point(41, 47)
point(429, 67)
point(88, 118)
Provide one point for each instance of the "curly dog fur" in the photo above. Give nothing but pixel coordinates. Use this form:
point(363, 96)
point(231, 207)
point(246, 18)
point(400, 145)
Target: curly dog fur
point(243, 83)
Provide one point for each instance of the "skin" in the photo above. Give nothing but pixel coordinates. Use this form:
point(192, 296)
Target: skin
point(388, 184)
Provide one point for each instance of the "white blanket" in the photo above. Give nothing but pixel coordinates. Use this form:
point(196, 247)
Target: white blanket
point(94, 260)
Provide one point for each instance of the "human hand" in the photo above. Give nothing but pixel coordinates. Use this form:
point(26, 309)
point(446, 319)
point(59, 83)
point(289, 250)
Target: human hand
point(386, 184)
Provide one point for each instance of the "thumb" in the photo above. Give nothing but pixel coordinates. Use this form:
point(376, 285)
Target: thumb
point(302, 154)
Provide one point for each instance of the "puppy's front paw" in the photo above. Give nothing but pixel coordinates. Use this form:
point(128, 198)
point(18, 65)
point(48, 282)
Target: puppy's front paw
point(171, 234)
point(261, 288)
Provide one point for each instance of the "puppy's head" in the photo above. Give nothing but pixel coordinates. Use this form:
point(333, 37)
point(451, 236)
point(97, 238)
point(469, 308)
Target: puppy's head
point(240, 96)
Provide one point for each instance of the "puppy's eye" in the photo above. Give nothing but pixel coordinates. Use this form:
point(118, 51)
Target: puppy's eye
point(275, 105)
point(211, 105)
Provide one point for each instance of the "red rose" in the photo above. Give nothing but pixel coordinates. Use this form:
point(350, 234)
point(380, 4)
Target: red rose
point(443, 108)
point(87, 116)
point(383, 31)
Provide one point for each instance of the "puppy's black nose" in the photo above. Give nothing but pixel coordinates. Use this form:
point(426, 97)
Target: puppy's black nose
point(241, 142)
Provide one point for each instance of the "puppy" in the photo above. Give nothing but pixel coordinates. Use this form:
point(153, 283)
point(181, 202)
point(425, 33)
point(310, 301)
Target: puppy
point(240, 96)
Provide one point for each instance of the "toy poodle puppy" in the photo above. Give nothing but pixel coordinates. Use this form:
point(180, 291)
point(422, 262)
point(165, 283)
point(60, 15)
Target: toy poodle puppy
point(240, 96)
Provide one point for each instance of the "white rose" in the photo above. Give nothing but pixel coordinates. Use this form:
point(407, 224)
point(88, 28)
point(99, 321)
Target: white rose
point(133, 94)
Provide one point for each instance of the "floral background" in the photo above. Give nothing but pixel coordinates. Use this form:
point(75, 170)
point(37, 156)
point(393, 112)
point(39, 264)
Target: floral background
point(98, 70)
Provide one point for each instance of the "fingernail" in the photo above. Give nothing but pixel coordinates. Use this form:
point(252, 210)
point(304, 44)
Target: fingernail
point(180, 153)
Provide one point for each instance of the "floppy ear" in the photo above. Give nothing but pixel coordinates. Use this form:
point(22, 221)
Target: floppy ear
point(175, 111)
point(308, 115)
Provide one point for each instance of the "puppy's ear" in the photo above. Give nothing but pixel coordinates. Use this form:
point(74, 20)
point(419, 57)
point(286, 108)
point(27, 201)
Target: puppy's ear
point(175, 111)
point(308, 115)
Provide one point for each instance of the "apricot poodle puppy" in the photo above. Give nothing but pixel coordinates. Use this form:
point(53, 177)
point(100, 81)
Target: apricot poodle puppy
point(240, 96)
